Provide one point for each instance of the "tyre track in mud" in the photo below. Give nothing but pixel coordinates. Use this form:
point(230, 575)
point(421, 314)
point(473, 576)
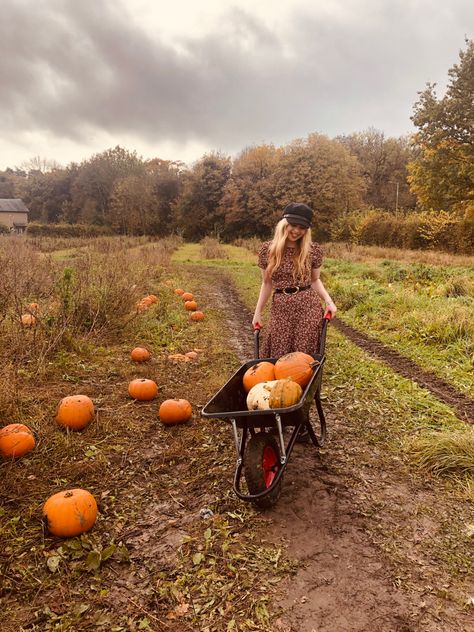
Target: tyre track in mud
point(461, 403)
point(344, 581)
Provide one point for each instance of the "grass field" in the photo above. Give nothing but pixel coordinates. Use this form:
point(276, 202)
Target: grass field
point(151, 562)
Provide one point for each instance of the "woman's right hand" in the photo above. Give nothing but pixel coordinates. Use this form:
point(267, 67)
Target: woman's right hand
point(257, 321)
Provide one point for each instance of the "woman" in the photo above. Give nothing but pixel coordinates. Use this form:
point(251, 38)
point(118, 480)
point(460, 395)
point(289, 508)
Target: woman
point(291, 265)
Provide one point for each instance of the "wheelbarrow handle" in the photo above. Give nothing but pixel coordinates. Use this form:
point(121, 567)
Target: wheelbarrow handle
point(256, 340)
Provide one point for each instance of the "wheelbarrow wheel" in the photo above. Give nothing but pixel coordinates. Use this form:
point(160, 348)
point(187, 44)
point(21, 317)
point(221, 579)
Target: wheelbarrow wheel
point(261, 464)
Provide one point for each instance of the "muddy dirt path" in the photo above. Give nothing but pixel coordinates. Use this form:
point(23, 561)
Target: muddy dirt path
point(345, 582)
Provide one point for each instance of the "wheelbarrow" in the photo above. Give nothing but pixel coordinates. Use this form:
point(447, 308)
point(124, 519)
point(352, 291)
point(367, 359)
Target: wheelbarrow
point(259, 435)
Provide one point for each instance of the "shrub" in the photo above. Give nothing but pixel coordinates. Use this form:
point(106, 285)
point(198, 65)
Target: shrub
point(211, 248)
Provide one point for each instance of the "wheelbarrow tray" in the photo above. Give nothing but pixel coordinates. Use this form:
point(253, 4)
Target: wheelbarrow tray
point(230, 402)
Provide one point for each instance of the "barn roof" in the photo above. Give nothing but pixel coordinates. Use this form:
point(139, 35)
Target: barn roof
point(12, 205)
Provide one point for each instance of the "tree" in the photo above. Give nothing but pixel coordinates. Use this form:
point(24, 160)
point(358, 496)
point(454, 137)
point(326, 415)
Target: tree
point(384, 163)
point(198, 210)
point(92, 189)
point(248, 201)
point(442, 174)
point(322, 173)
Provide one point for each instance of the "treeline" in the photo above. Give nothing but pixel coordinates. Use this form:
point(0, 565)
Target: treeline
point(346, 179)
point(118, 190)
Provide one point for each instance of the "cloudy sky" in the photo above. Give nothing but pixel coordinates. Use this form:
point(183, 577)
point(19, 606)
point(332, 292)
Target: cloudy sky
point(176, 78)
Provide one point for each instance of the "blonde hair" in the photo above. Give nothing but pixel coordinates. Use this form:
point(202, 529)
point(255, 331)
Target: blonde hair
point(301, 258)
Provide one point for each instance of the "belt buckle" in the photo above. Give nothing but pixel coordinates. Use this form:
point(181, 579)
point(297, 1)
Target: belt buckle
point(295, 290)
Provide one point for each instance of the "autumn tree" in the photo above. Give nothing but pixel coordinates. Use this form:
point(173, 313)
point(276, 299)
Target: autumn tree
point(322, 173)
point(92, 189)
point(384, 163)
point(198, 211)
point(248, 201)
point(442, 174)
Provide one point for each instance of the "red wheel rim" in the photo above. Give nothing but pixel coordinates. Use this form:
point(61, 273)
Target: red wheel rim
point(269, 463)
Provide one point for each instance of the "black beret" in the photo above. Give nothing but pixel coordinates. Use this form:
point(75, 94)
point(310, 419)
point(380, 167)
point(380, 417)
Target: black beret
point(296, 213)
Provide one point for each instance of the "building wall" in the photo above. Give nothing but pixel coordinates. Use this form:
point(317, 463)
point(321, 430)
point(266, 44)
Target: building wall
point(8, 219)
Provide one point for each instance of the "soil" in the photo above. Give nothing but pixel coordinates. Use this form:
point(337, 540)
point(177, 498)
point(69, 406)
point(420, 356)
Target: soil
point(346, 580)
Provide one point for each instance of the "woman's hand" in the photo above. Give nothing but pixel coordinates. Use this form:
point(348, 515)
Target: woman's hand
point(257, 321)
point(330, 309)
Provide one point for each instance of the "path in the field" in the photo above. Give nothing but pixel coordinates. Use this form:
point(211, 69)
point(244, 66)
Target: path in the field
point(344, 583)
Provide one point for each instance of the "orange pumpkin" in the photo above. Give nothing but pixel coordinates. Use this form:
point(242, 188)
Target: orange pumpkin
point(140, 354)
point(260, 372)
point(28, 320)
point(16, 440)
point(152, 298)
point(142, 306)
point(70, 513)
point(75, 412)
point(175, 411)
point(32, 307)
point(192, 355)
point(191, 306)
point(284, 394)
point(179, 357)
point(298, 366)
point(179, 291)
point(187, 296)
point(142, 389)
point(146, 300)
point(196, 316)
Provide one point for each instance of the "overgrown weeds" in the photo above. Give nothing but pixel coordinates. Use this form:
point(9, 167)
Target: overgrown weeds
point(211, 248)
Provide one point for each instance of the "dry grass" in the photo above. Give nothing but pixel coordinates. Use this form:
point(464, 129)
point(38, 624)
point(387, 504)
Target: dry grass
point(211, 248)
point(444, 453)
point(352, 252)
point(89, 295)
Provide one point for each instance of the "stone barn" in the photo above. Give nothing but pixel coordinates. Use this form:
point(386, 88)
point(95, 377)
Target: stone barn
point(13, 215)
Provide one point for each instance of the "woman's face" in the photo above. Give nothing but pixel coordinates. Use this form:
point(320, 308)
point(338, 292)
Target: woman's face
point(294, 232)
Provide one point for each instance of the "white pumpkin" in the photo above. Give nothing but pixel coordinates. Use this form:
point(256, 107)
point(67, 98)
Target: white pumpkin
point(258, 397)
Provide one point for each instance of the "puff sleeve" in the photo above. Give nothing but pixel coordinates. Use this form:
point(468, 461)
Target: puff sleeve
point(316, 256)
point(263, 255)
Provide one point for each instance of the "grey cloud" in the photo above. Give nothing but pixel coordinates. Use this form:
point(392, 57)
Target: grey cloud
point(71, 68)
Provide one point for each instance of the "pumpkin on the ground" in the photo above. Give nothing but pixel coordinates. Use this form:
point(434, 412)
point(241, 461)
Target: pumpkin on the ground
point(260, 372)
point(179, 291)
point(140, 354)
point(70, 513)
point(16, 440)
point(192, 355)
point(143, 389)
point(187, 296)
point(285, 393)
point(196, 316)
point(32, 307)
point(191, 306)
point(152, 298)
point(28, 320)
point(75, 412)
point(175, 411)
point(258, 398)
point(297, 365)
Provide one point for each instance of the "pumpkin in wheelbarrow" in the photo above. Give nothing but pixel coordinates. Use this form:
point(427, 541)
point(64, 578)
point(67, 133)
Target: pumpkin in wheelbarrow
point(260, 372)
point(258, 397)
point(285, 393)
point(297, 366)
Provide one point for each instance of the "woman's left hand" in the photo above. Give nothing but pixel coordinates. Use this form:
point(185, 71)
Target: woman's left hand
point(330, 309)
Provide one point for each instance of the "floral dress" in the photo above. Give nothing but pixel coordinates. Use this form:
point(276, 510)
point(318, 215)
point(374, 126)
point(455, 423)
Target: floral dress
point(295, 319)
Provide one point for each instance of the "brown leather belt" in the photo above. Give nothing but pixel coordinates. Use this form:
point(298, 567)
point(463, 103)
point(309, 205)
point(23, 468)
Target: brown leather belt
point(291, 290)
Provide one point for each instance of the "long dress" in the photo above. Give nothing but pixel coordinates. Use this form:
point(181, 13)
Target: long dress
point(295, 319)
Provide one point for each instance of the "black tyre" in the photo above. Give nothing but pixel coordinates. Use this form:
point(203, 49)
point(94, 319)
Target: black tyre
point(261, 464)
